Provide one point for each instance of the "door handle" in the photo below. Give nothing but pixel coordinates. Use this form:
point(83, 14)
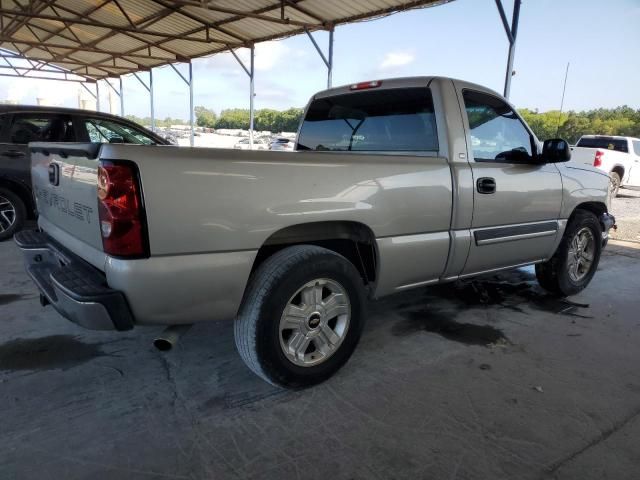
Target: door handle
point(12, 154)
point(486, 185)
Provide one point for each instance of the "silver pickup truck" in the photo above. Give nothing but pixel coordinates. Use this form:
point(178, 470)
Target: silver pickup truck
point(396, 184)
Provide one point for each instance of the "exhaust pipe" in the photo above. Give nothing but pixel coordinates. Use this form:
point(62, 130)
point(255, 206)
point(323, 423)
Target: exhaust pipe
point(169, 337)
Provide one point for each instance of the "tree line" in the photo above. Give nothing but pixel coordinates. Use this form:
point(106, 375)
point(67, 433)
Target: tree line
point(569, 125)
point(238, 118)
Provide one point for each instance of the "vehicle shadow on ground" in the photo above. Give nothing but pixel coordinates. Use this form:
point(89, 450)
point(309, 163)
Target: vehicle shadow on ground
point(207, 352)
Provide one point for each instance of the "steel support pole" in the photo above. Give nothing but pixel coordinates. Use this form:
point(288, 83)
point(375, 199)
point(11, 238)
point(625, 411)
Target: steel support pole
point(97, 96)
point(153, 119)
point(330, 62)
point(512, 47)
point(121, 97)
point(251, 95)
point(191, 113)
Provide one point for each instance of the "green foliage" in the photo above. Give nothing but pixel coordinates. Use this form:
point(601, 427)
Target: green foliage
point(572, 125)
point(265, 119)
point(205, 117)
point(569, 125)
point(146, 121)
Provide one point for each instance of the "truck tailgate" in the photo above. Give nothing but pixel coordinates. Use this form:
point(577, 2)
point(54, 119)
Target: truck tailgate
point(64, 177)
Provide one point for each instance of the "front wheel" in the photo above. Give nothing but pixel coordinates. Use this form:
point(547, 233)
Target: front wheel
point(301, 317)
point(576, 260)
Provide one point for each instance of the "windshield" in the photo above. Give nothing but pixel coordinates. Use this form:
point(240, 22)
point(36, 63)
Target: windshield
point(381, 120)
point(607, 143)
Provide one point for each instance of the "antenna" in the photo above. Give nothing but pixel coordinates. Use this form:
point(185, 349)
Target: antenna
point(564, 88)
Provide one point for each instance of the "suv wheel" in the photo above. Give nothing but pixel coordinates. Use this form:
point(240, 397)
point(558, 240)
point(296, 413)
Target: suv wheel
point(12, 213)
point(301, 317)
point(576, 260)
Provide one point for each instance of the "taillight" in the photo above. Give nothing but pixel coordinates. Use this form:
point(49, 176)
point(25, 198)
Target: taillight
point(365, 85)
point(120, 210)
point(597, 161)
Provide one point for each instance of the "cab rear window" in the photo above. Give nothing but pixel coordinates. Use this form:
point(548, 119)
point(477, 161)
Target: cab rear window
point(400, 120)
point(606, 143)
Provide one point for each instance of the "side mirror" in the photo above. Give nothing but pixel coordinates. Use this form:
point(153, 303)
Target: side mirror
point(556, 150)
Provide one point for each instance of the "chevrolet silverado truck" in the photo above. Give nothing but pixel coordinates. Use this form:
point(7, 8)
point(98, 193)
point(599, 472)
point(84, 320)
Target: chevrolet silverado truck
point(22, 124)
point(619, 157)
point(395, 184)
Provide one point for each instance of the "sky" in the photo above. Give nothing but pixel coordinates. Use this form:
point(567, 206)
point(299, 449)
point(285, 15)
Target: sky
point(462, 39)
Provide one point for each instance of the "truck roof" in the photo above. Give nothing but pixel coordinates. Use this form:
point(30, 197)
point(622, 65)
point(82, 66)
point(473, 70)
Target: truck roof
point(615, 137)
point(403, 82)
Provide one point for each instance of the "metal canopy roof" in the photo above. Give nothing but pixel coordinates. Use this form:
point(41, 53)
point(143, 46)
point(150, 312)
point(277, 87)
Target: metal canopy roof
point(96, 39)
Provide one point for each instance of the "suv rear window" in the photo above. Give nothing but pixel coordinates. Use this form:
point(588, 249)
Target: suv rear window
point(400, 120)
point(607, 143)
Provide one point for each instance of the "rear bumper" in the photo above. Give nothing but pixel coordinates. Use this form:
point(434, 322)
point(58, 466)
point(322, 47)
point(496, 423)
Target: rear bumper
point(607, 221)
point(77, 290)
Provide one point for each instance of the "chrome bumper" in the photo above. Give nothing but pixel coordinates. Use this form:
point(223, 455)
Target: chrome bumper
point(607, 222)
point(74, 288)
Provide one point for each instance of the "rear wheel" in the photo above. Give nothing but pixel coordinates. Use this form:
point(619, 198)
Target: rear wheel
point(576, 260)
point(12, 213)
point(614, 184)
point(301, 317)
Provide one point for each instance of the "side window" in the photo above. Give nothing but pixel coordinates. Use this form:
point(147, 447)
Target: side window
point(27, 128)
point(106, 131)
point(636, 147)
point(497, 134)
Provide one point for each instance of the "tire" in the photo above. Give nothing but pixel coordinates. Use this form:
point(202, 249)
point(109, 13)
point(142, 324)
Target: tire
point(560, 275)
point(286, 280)
point(13, 213)
point(614, 185)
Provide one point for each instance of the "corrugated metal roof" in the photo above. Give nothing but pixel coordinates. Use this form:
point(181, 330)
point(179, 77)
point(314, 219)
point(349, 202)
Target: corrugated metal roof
point(101, 38)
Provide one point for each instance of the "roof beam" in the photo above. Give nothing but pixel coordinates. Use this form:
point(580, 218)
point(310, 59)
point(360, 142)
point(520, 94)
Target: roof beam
point(59, 56)
point(175, 9)
point(257, 14)
point(112, 28)
point(67, 26)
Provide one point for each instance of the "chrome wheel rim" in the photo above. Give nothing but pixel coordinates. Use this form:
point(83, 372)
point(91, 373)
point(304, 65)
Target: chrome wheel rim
point(315, 322)
point(581, 254)
point(7, 214)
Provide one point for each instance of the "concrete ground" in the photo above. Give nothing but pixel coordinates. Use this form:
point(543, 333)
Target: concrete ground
point(626, 208)
point(480, 379)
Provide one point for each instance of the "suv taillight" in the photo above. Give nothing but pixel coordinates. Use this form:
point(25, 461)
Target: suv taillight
point(120, 210)
point(597, 161)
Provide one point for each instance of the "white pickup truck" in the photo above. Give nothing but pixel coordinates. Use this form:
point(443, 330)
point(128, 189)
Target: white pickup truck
point(395, 184)
point(617, 156)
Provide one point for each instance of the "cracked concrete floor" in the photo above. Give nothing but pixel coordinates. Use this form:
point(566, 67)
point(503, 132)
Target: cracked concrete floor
point(556, 394)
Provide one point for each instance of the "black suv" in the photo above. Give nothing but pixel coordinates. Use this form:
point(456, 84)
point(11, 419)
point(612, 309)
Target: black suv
point(20, 125)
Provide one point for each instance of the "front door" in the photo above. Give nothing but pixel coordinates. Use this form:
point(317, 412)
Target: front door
point(517, 200)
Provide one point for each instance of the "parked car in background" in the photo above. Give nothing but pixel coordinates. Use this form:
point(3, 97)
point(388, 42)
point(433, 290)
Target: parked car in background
point(282, 144)
point(619, 157)
point(20, 125)
point(396, 184)
point(244, 144)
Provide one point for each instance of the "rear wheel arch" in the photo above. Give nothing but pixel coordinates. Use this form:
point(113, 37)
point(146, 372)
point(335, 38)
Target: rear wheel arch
point(619, 169)
point(353, 240)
